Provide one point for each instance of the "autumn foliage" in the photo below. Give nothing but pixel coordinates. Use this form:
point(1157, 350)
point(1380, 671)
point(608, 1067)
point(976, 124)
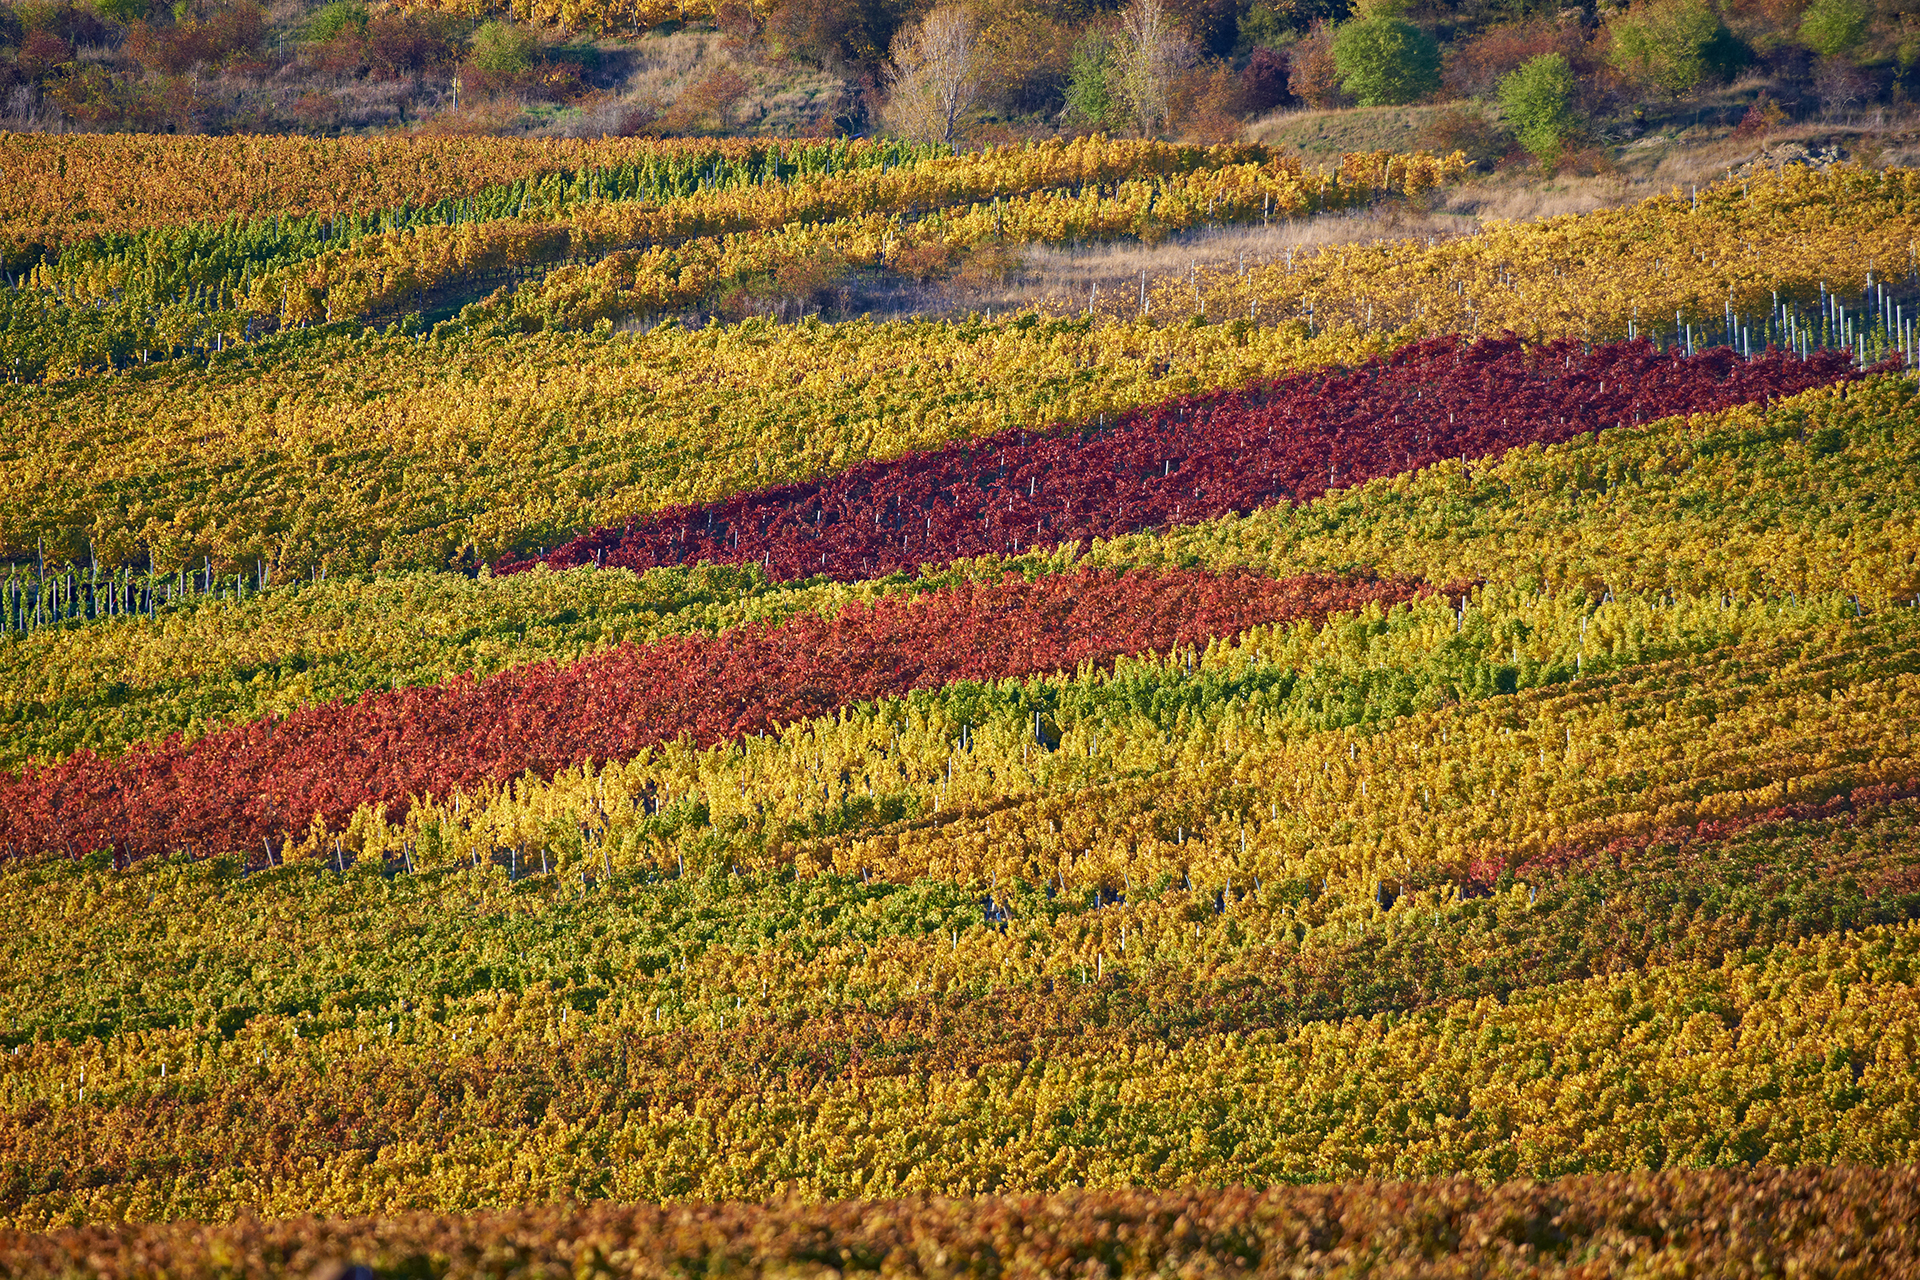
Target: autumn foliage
point(1197, 457)
point(1718, 1220)
point(254, 784)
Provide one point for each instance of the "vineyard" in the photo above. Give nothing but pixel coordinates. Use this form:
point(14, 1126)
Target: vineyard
point(1400, 757)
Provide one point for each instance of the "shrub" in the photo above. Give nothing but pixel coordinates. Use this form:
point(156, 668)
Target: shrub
point(336, 18)
point(78, 27)
point(503, 49)
point(124, 12)
point(208, 41)
point(86, 93)
point(1482, 140)
point(316, 110)
point(1538, 102)
point(1834, 28)
point(409, 43)
point(42, 51)
point(1474, 68)
point(1761, 117)
point(1384, 59)
point(737, 24)
point(1673, 45)
point(707, 103)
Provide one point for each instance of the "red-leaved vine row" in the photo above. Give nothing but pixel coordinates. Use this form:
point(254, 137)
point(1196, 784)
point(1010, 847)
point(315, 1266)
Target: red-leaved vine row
point(241, 787)
point(1196, 458)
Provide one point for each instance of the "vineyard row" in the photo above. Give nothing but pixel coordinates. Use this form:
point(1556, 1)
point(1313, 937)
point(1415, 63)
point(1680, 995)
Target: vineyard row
point(1814, 496)
point(1196, 458)
point(510, 443)
point(274, 779)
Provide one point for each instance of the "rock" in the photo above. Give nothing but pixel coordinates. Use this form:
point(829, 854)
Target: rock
point(1792, 153)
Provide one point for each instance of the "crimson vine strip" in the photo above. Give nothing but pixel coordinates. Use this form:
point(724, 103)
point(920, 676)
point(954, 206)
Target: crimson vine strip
point(1196, 458)
point(245, 787)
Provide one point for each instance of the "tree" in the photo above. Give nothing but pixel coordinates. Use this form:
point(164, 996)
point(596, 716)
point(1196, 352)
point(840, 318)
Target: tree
point(838, 35)
point(1026, 57)
point(1090, 83)
point(1211, 27)
point(1839, 84)
point(1538, 101)
point(1669, 45)
point(1834, 28)
point(1311, 75)
point(1263, 85)
point(1384, 59)
point(934, 76)
point(1151, 52)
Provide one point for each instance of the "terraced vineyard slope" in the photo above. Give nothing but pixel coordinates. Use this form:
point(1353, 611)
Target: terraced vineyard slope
point(1225, 786)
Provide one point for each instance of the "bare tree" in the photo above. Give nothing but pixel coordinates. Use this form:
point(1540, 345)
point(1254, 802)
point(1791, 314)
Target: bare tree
point(1152, 51)
point(934, 75)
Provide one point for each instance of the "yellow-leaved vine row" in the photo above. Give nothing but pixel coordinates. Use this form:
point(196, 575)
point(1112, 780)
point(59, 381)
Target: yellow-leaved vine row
point(1801, 1055)
point(1251, 767)
point(1739, 246)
